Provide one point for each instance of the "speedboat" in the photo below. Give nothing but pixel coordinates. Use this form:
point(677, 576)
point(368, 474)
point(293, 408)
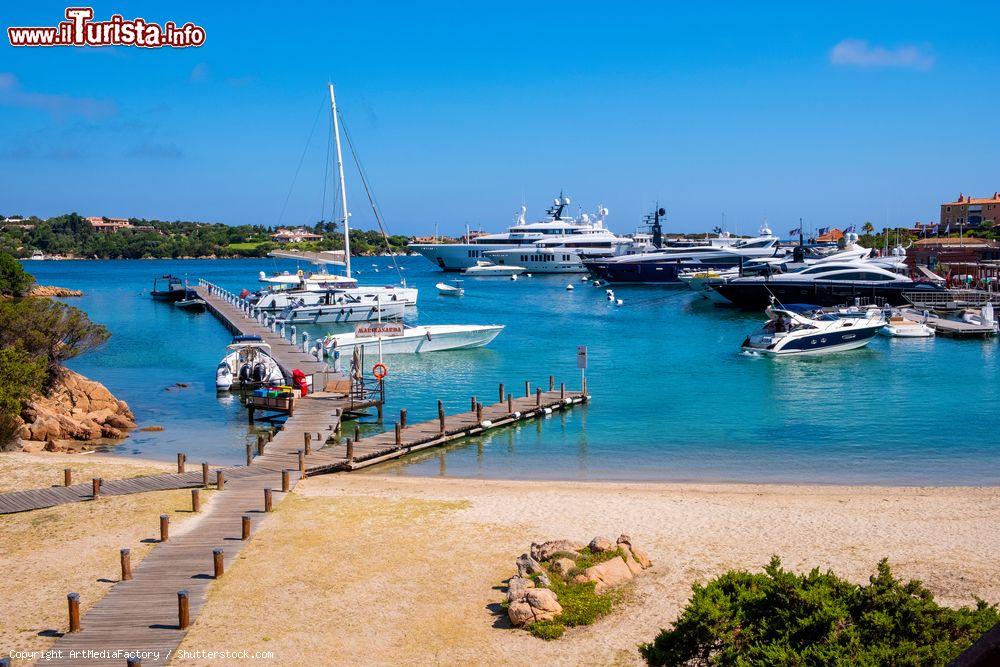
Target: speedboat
point(191, 302)
point(396, 339)
point(561, 236)
point(455, 289)
point(898, 325)
point(37, 255)
point(483, 269)
point(792, 331)
point(248, 363)
point(824, 284)
point(168, 288)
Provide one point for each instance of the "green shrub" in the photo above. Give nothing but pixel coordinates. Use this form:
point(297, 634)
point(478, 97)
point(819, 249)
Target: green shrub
point(21, 375)
point(14, 280)
point(781, 618)
point(547, 630)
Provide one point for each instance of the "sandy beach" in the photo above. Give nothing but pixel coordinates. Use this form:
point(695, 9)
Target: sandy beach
point(387, 570)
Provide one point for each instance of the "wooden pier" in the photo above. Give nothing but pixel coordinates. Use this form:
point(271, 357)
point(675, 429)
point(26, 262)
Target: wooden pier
point(949, 327)
point(149, 609)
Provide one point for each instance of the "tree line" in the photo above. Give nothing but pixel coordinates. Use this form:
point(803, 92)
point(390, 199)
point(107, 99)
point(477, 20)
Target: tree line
point(72, 235)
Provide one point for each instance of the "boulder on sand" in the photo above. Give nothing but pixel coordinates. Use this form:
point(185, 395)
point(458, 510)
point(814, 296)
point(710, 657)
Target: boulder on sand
point(533, 604)
point(526, 566)
point(640, 556)
point(562, 566)
point(542, 551)
point(600, 545)
point(608, 574)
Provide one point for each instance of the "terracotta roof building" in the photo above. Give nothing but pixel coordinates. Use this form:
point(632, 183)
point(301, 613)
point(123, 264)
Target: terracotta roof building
point(295, 235)
point(831, 236)
point(967, 211)
point(108, 225)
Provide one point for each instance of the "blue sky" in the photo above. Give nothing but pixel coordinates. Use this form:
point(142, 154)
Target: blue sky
point(835, 112)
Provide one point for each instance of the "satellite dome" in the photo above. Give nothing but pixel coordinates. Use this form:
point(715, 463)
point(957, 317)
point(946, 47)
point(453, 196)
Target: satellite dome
point(555, 202)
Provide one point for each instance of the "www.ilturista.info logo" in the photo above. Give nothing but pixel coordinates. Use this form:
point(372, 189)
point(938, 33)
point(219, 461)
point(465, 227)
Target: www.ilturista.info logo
point(79, 29)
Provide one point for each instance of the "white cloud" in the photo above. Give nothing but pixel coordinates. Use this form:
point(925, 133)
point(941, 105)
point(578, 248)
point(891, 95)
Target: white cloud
point(859, 53)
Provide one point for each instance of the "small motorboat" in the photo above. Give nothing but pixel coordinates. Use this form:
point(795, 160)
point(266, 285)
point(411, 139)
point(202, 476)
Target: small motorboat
point(191, 302)
point(794, 332)
point(247, 364)
point(899, 326)
point(333, 309)
point(484, 269)
point(37, 255)
point(414, 340)
point(455, 289)
point(168, 288)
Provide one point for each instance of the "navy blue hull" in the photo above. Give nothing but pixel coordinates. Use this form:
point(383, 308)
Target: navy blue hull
point(648, 272)
point(757, 295)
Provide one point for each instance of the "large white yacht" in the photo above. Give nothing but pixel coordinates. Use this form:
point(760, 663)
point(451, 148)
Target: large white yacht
point(557, 244)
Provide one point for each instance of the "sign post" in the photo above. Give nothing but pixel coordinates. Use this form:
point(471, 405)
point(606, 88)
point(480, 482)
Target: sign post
point(581, 363)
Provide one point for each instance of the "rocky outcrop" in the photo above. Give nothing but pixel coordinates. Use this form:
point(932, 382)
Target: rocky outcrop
point(77, 411)
point(533, 604)
point(49, 290)
point(546, 550)
point(606, 575)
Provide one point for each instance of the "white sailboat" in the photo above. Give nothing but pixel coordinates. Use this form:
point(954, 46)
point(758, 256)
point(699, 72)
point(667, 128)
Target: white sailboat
point(322, 297)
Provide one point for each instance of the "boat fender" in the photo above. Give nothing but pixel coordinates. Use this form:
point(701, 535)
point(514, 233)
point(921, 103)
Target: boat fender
point(567, 401)
point(547, 411)
point(486, 423)
point(516, 415)
point(428, 335)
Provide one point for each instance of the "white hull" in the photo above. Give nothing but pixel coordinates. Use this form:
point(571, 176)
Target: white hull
point(236, 369)
point(337, 314)
point(416, 340)
point(493, 271)
point(456, 256)
point(277, 301)
point(912, 330)
point(843, 347)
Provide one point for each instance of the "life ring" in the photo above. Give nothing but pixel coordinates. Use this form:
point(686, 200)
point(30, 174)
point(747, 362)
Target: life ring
point(380, 370)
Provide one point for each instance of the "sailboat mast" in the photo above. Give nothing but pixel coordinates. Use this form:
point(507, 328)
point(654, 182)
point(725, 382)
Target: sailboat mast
point(343, 191)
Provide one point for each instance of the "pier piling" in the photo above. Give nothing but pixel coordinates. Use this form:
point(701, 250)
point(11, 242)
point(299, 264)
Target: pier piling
point(307, 442)
point(562, 391)
point(95, 488)
point(164, 527)
point(195, 500)
point(399, 435)
point(181, 460)
point(510, 403)
point(501, 393)
point(402, 419)
point(285, 485)
point(249, 455)
point(204, 474)
point(220, 480)
point(302, 464)
point(67, 477)
point(441, 427)
point(260, 444)
point(74, 611)
point(126, 558)
point(552, 383)
point(218, 561)
point(538, 397)
point(245, 535)
point(472, 404)
point(479, 413)
point(527, 389)
point(183, 613)
point(268, 501)
point(350, 451)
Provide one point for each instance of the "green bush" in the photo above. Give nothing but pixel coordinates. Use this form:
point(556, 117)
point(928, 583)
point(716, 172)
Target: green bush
point(21, 375)
point(14, 280)
point(547, 630)
point(781, 618)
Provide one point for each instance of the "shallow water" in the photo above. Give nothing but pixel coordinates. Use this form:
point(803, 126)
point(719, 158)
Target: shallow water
point(673, 398)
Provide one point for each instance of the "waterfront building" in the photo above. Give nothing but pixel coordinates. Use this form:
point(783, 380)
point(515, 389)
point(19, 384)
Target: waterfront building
point(970, 212)
point(295, 236)
point(108, 225)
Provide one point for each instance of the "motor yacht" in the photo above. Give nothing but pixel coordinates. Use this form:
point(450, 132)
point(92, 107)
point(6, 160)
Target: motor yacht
point(334, 307)
point(415, 340)
point(662, 265)
point(247, 364)
point(37, 255)
point(556, 244)
point(168, 288)
point(797, 331)
point(824, 284)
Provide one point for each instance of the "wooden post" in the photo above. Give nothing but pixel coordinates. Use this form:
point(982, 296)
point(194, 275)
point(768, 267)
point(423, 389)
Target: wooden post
point(260, 444)
point(164, 527)
point(181, 459)
point(74, 611)
point(552, 383)
point(350, 451)
point(562, 390)
point(307, 439)
point(501, 393)
point(218, 556)
point(249, 454)
point(357, 433)
point(441, 416)
point(220, 480)
point(67, 476)
point(399, 436)
point(204, 474)
point(473, 404)
point(510, 403)
point(270, 435)
point(479, 413)
point(126, 558)
point(402, 419)
point(285, 485)
point(267, 500)
point(302, 463)
point(527, 389)
point(246, 527)
point(95, 487)
point(183, 615)
point(538, 397)
point(195, 500)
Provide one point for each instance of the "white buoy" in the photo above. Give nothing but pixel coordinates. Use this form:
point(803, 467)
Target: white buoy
point(619, 302)
point(583, 279)
point(597, 283)
point(569, 287)
point(527, 275)
point(513, 277)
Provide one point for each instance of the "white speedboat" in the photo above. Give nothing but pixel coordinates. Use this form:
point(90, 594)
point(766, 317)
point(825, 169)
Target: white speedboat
point(899, 326)
point(455, 289)
point(484, 269)
point(790, 332)
point(37, 255)
point(248, 363)
point(414, 340)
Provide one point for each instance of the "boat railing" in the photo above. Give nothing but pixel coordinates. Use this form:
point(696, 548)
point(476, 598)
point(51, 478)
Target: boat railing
point(366, 390)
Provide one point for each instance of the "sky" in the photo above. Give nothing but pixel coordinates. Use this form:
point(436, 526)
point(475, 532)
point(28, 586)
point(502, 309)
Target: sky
point(724, 113)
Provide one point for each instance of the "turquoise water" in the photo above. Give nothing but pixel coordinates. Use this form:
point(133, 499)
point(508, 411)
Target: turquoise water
point(673, 398)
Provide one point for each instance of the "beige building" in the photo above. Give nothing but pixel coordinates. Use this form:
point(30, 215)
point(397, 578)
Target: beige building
point(108, 225)
point(969, 211)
